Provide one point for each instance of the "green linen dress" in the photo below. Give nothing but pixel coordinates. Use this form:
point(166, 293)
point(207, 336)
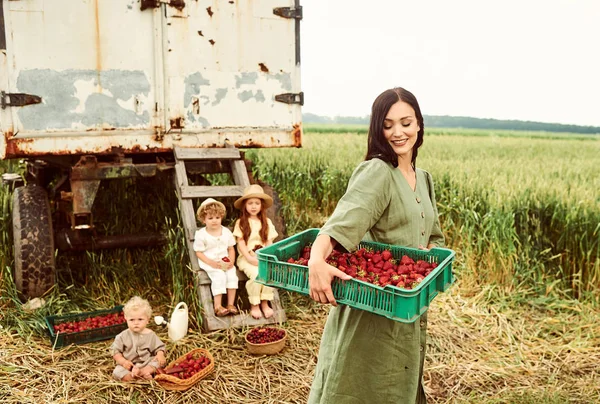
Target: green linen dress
point(366, 358)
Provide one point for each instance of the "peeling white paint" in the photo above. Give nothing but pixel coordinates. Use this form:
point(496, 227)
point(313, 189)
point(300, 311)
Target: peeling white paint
point(111, 75)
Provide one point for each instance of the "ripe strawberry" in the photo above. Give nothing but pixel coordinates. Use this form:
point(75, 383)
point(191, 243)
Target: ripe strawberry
point(225, 259)
point(376, 258)
point(386, 255)
point(387, 266)
point(342, 261)
point(406, 260)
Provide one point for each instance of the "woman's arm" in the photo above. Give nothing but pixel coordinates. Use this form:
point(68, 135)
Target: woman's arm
point(320, 273)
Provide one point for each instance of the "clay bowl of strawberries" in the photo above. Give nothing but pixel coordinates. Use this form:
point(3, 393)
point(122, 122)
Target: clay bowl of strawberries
point(265, 340)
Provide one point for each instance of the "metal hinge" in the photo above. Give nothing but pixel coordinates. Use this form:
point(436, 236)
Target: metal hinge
point(291, 98)
point(288, 12)
point(178, 4)
point(18, 99)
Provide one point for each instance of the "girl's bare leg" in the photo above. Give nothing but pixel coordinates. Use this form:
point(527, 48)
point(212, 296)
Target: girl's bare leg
point(255, 311)
point(266, 309)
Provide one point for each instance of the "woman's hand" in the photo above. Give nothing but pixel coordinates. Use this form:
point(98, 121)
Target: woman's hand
point(127, 364)
point(320, 276)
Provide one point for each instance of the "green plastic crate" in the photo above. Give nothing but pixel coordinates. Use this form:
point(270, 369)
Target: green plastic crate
point(61, 339)
point(404, 305)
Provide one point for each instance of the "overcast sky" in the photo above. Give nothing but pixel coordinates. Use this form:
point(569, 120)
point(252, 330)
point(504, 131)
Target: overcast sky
point(536, 60)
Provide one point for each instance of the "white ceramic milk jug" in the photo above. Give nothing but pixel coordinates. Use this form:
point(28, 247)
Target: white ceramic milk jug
point(178, 326)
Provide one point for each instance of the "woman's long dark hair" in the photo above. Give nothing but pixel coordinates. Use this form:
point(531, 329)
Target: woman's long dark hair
point(245, 223)
point(378, 146)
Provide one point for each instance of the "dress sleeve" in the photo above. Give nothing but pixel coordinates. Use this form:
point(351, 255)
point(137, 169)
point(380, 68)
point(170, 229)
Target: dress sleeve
point(272, 232)
point(199, 242)
point(437, 236)
point(117, 345)
point(237, 232)
point(367, 197)
point(157, 345)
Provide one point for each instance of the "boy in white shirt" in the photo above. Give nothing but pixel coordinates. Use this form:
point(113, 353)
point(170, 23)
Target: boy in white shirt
point(213, 245)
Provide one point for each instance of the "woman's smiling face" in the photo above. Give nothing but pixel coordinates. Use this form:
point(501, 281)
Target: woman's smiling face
point(400, 128)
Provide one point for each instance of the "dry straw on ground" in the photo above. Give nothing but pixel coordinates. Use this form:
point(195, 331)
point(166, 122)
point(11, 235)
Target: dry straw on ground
point(478, 352)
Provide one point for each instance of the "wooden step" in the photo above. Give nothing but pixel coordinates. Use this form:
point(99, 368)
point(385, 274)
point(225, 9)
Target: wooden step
point(211, 322)
point(211, 191)
point(191, 153)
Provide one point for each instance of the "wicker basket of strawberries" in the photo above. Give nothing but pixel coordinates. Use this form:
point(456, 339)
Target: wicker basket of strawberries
point(265, 340)
point(187, 370)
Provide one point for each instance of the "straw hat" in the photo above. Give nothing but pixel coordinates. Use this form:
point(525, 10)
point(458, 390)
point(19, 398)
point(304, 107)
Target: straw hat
point(254, 191)
point(207, 202)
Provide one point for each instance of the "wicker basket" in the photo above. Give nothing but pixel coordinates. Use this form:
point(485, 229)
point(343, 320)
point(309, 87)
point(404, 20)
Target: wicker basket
point(269, 348)
point(170, 382)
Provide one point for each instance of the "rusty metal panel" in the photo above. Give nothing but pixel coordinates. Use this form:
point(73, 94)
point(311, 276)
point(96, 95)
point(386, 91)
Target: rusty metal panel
point(111, 75)
point(91, 62)
point(226, 62)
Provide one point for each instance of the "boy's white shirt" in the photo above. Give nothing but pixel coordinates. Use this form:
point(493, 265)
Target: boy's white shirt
point(214, 247)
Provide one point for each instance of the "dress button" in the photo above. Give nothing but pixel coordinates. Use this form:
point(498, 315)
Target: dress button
point(418, 200)
point(422, 323)
point(423, 233)
point(423, 214)
point(421, 348)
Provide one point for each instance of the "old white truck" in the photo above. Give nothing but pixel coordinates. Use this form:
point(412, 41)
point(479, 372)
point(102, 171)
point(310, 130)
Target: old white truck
point(92, 90)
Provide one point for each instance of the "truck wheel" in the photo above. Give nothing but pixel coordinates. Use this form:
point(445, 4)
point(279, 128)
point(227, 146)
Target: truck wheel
point(33, 241)
point(275, 212)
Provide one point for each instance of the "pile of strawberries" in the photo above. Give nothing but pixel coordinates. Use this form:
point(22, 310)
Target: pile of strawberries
point(90, 323)
point(376, 267)
point(192, 364)
point(265, 335)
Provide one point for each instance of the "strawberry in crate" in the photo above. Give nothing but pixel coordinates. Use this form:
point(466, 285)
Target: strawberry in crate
point(303, 259)
point(375, 266)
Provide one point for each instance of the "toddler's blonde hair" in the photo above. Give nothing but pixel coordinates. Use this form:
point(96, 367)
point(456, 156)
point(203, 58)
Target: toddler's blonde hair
point(137, 303)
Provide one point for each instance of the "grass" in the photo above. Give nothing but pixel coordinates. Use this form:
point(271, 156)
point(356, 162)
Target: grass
point(521, 325)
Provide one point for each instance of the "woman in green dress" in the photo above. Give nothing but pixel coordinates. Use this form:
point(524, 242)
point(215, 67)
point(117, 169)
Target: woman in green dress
point(364, 357)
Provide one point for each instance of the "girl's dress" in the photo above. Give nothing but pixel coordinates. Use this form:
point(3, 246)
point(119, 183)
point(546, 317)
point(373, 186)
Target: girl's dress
point(256, 291)
point(215, 248)
point(364, 357)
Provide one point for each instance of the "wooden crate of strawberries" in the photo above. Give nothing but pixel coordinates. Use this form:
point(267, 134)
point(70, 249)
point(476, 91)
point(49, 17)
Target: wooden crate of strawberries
point(392, 281)
point(80, 328)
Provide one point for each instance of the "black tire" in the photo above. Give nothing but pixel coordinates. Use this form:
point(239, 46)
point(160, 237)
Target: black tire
point(275, 212)
point(35, 270)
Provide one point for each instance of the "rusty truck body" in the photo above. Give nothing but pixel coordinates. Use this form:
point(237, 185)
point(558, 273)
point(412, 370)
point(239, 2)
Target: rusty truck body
point(93, 90)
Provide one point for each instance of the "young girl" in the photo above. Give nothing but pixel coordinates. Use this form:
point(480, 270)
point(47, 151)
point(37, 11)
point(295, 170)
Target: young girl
point(214, 248)
point(254, 229)
point(138, 351)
